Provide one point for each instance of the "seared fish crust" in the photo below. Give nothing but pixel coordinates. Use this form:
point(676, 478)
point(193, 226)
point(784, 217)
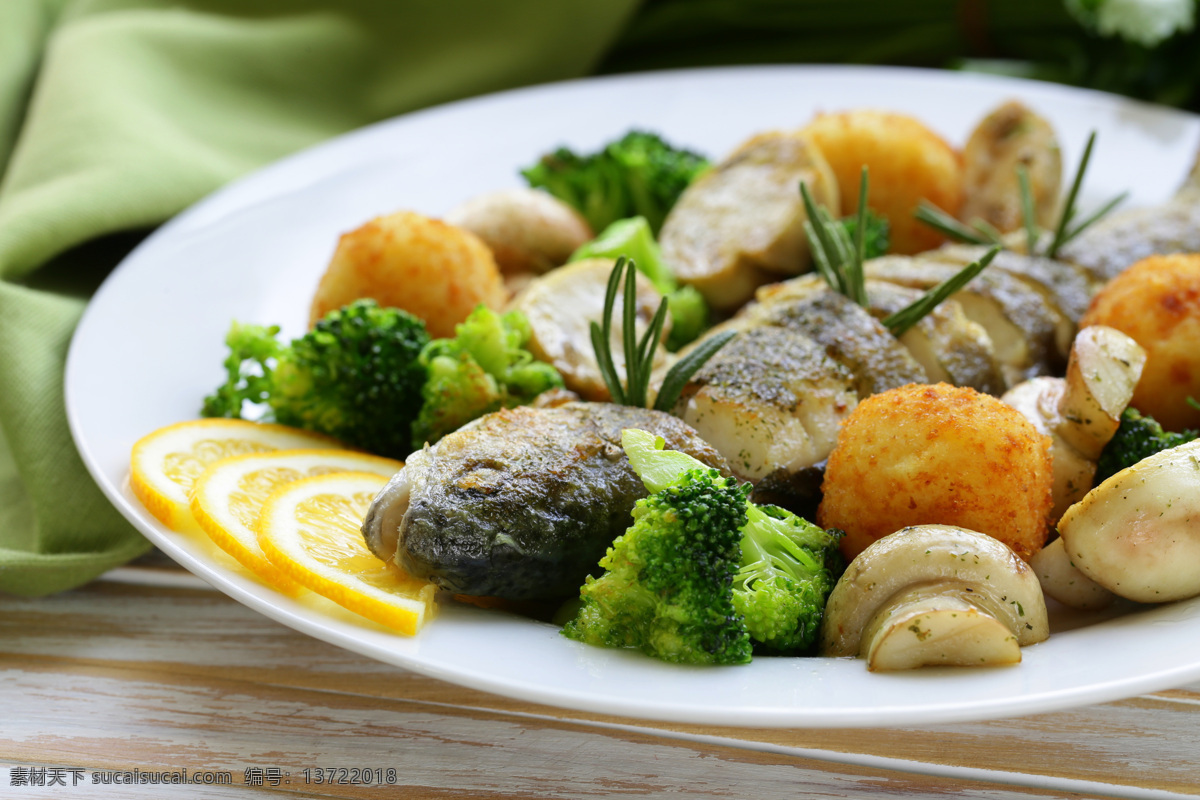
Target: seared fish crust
point(520, 504)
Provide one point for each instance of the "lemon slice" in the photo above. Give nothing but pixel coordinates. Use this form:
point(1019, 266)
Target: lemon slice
point(166, 463)
point(228, 496)
point(311, 530)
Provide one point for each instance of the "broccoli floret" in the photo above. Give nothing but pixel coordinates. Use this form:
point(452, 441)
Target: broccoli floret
point(772, 602)
point(482, 369)
point(633, 239)
point(637, 175)
point(877, 237)
point(1138, 437)
point(788, 569)
point(252, 353)
point(356, 376)
point(668, 586)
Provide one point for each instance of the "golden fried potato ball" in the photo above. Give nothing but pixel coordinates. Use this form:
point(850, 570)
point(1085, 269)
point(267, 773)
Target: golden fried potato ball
point(1156, 302)
point(405, 260)
point(936, 453)
point(907, 162)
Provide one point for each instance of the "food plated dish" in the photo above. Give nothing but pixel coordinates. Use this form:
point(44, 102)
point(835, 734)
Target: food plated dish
point(254, 252)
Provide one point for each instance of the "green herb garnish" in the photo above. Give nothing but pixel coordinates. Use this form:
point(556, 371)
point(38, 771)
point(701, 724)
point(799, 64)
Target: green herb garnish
point(980, 232)
point(639, 355)
point(913, 313)
point(840, 262)
point(1063, 232)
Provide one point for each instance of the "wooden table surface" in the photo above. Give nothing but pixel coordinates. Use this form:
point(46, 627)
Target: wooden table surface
point(148, 672)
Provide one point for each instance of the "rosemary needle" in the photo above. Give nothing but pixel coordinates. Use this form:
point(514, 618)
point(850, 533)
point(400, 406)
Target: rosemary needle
point(913, 313)
point(639, 355)
point(840, 261)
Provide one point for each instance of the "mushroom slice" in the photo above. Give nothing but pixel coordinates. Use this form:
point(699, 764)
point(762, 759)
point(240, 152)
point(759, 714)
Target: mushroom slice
point(741, 224)
point(527, 230)
point(1066, 584)
point(905, 575)
point(937, 624)
point(1103, 371)
point(1009, 137)
point(1081, 412)
point(1138, 533)
point(560, 307)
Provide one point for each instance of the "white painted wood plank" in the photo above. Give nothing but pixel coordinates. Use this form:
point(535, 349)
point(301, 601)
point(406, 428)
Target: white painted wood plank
point(109, 722)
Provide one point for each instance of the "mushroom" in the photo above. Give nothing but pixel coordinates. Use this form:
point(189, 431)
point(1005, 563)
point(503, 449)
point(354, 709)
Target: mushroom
point(1082, 411)
point(1064, 582)
point(1137, 534)
point(560, 307)
point(935, 595)
point(527, 230)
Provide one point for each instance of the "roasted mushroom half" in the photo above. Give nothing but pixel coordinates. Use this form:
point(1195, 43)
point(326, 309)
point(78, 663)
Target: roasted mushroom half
point(1137, 534)
point(935, 595)
point(1081, 412)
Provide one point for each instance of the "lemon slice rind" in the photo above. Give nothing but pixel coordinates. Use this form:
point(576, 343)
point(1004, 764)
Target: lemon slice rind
point(299, 541)
point(228, 497)
point(165, 463)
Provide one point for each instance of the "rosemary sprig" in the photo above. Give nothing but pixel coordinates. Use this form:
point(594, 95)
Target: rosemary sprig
point(1028, 215)
point(838, 259)
point(980, 232)
point(639, 355)
point(951, 228)
point(840, 262)
point(1064, 232)
point(914, 312)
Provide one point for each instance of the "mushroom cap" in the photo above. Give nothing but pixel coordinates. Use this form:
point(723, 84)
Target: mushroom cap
point(1137, 534)
point(970, 563)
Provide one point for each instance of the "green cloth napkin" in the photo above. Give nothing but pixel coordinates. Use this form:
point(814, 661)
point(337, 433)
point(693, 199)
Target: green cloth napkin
point(117, 114)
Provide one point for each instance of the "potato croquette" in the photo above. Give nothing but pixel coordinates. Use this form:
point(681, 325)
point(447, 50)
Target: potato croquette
point(1156, 302)
point(436, 271)
point(907, 163)
point(938, 454)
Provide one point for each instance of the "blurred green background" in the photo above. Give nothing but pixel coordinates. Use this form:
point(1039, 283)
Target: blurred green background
point(1044, 39)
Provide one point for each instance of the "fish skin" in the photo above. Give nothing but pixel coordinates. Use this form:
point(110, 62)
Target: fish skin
point(523, 503)
point(769, 399)
point(850, 336)
point(1119, 241)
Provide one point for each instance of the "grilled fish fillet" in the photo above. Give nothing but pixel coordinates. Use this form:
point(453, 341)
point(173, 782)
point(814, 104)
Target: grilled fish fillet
point(849, 333)
point(950, 347)
point(1026, 332)
point(520, 504)
point(769, 400)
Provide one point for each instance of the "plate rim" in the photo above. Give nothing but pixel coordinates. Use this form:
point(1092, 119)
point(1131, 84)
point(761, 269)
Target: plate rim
point(118, 495)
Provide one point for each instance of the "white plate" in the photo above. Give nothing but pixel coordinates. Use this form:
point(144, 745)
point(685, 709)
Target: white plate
point(150, 346)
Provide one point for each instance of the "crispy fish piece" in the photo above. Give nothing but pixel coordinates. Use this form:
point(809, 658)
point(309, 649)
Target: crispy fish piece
point(520, 504)
point(741, 224)
point(950, 347)
point(1026, 331)
point(849, 333)
point(769, 400)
